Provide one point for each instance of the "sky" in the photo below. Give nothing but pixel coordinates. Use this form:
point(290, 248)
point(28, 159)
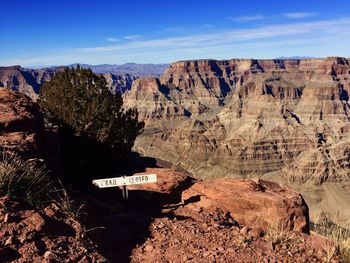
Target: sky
point(44, 33)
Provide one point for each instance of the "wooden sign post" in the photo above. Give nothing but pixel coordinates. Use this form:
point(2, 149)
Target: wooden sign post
point(124, 181)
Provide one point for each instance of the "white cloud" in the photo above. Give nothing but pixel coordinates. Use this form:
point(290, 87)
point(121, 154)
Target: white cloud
point(331, 36)
point(298, 15)
point(231, 36)
point(112, 39)
point(247, 18)
point(132, 37)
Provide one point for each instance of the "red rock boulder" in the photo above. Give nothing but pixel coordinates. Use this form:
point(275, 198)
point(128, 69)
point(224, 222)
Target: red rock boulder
point(255, 203)
point(168, 180)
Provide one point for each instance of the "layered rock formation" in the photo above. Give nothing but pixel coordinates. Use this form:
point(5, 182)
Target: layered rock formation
point(16, 78)
point(152, 100)
point(246, 117)
point(118, 83)
point(21, 124)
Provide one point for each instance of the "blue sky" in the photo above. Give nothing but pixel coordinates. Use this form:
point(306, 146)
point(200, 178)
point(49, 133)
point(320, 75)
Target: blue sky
point(39, 32)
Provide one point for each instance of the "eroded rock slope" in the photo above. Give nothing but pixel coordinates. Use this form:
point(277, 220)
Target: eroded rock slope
point(246, 117)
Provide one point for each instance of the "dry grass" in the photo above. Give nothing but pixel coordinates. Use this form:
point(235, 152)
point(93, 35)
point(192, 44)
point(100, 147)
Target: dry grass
point(23, 180)
point(282, 238)
point(277, 234)
point(340, 236)
point(245, 240)
point(67, 205)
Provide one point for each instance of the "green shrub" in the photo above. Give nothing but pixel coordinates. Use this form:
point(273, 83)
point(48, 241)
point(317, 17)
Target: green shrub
point(95, 129)
point(79, 99)
point(22, 180)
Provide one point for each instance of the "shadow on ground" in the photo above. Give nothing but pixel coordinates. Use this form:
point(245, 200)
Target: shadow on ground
point(117, 231)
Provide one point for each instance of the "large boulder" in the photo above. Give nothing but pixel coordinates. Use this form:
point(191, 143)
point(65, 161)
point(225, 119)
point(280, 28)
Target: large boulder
point(168, 181)
point(21, 124)
point(254, 203)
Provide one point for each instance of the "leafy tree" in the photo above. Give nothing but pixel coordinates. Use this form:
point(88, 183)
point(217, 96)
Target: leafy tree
point(94, 128)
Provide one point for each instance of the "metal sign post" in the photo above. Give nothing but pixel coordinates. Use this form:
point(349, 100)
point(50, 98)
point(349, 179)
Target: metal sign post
point(124, 181)
point(125, 198)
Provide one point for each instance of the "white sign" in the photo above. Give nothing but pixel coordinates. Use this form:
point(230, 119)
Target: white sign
point(125, 180)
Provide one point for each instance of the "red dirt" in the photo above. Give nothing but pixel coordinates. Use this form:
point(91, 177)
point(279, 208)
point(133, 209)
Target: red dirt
point(30, 235)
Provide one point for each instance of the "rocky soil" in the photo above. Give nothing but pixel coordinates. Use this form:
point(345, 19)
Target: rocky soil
point(31, 235)
point(215, 237)
point(21, 124)
point(156, 228)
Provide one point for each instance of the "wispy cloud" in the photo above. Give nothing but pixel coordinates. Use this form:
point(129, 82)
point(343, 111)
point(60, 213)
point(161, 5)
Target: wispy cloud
point(132, 37)
point(298, 15)
point(231, 36)
point(177, 30)
point(112, 39)
point(247, 18)
point(291, 15)
point(277, 40)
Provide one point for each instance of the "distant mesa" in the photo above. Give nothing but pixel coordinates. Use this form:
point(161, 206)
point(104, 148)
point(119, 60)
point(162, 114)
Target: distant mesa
point(119, 77)
point(135, 69)
point(298, 57)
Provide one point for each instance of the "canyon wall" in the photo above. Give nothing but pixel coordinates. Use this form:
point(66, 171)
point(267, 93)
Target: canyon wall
point(239, 117)
point(247, 117)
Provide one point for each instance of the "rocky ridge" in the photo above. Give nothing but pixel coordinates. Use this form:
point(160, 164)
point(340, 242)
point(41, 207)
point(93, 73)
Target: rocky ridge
point(134, 69)
point(29, 81)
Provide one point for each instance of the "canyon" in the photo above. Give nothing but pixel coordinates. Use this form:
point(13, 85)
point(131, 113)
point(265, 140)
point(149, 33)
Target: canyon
point(180, 218)
point(286, 120)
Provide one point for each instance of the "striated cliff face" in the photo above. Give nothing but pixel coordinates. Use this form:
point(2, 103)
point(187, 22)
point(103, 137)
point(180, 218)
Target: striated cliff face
point(246, 117)
point(18, 79)
point(119, 83)
point(152, 100)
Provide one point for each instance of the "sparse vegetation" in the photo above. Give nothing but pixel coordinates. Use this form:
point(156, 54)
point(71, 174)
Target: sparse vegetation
point(67, 205)
point(245, 240)
point(277, 235)
point(23, 180)
point(339, 235)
